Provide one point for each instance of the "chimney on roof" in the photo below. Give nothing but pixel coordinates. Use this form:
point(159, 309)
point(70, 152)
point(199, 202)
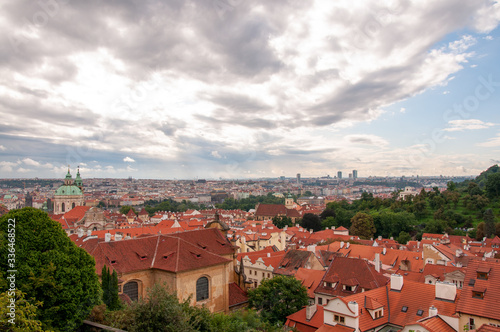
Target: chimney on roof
point(311, 248)
point(285, 228)
point(89, 232)
point(107, 237)
point(459, 253)
point(268, 254)
point(310, 311)
point(341, 244)
point(396, 282)
point(80, 232)
point(433, 311)
point(380, 237)
point(445, 291)
point(347, 245)
point(384, 251)
point(311, 230)
point(353, 305)
point(378, 263)
point(118, 236)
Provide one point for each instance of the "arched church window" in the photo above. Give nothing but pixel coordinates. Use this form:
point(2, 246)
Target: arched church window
point(131, 288)
point(202, 289)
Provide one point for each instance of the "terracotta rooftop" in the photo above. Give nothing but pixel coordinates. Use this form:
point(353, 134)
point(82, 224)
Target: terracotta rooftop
point(236, 295)
point(353, 272)
point(477, 279)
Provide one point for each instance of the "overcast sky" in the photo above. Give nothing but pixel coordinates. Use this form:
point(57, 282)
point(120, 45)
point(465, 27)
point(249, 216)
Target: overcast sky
point(242, 88)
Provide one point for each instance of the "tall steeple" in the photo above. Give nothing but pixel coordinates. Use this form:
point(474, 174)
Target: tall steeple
point(78, 179)
point(68, 181)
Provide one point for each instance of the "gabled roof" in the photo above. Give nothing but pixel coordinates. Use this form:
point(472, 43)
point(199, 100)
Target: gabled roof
point(310, 279)
point(236, 295)
point(438, 271)
point(434, 324)
point(267, 210)
point(481, 306)
point(75, 214)
point(171, 253)
point(299, 320)
point(293, 260)
point(350, 272)
point(414, 296)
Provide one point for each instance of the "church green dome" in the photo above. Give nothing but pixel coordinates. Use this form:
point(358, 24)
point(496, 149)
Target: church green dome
point(68, 190)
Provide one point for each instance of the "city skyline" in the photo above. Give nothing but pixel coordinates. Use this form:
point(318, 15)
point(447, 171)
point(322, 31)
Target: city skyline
point(249, 89)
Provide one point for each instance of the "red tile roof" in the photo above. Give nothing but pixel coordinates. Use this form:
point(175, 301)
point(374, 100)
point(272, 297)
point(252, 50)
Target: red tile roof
point(350, 272)
point(415, 296)
point(477, 306)
point(236, 295)
point(293, 260)
point(299, 321)
point(310, 279)
point(435, 324)
point(487, 328)
point(166, 252)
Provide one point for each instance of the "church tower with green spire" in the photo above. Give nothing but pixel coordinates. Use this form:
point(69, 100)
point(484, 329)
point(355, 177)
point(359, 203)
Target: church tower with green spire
point(70, 194)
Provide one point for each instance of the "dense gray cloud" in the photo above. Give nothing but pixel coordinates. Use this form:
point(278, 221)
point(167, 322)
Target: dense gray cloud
point(218, 76)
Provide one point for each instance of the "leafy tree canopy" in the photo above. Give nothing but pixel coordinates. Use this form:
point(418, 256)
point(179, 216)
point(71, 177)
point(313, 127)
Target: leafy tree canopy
point(362, 225)
point(311, 221)
point(51, 269)
point(282, 221)
point(278, 297)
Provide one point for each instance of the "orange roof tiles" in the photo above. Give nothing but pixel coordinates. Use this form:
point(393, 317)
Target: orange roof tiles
point(310, 279)
point(172, 253)
point(481, 306)
point(435, 324)
point(350, 272)
point(299, 321)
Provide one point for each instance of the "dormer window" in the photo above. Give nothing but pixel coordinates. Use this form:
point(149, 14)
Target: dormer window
point(477, 295)
point(483, 272)
point(478, 292)
point(420, 312)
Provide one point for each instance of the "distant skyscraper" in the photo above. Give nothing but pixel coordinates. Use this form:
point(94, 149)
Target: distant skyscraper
point(298, 178)
point(355, 174)
point(339, 174)
point(350, 175)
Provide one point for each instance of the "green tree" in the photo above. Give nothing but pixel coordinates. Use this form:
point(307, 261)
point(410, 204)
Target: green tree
point(403, 237)
point(24, 318)
point(489, 222)
point(362, 225)
point(474, 189)
point(493, 185)
point(480, 233)
point(311, 221)
point(452, 186)
point(109, 284)
point(282, 221)
point(126, 208)
point(161, 311)
point(328, 222)
point(277, 298)
point(51, 269)
point(106, 292)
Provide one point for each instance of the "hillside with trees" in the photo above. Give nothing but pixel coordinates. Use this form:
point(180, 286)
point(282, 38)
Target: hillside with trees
point(471, 207)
